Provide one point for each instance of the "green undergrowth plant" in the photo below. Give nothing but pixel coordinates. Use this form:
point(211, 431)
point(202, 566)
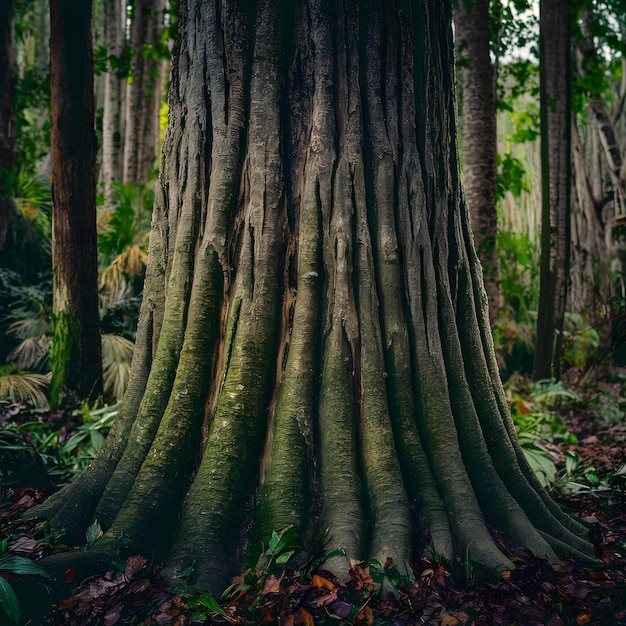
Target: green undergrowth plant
point(55, 456)
point(519, 280)
point(275, 581)
point(536, 422)
point(13, 565)
point(538, 425)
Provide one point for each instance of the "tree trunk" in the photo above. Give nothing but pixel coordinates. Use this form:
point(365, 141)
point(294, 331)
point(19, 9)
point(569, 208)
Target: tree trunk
point(143, 98)
point(114, 24)
point(7, 115)
point(314, 320)
point(76, 351)
point(556, 111)
point(479, 145)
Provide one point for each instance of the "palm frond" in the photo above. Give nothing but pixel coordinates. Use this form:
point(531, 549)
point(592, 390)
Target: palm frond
point(112, 278)
point(133, 261)
point(29, 352)
point(18, 386)
point(117, 354)
point(129, 264)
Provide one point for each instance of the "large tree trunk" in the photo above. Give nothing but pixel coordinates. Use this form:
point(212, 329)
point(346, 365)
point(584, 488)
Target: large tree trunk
point(114, 35)
point(556, 111)
point(314, 326)
point(143, 97)
point(7, 115)
point(479, 145)
point(76, 350)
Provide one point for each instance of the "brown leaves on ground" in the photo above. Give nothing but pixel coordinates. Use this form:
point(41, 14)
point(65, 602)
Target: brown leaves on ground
point(535, 593)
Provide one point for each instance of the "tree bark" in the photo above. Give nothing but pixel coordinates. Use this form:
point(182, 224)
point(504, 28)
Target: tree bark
point(479, 143)
point(143, 97)
point(112, 153)
point(7, 115)
point(314, 327)
point(76, 351)
point(556, 111)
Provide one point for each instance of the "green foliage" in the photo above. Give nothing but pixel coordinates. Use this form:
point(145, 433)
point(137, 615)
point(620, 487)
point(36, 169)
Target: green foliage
point(281, 547)
point(120, 227)
point(516, 79)
point(510, 176)
point(527, 123)
point(122, 242)
point(32, 104)
point(120, 64)
point(28, 249)
point(14, 565)
point(535, 423)
point(60, 457)
point(582, 344)
point(598, 73)
point(513, 25)
point(514, 331)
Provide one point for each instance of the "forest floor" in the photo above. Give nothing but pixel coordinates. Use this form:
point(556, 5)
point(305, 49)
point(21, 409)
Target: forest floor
point(442, 594)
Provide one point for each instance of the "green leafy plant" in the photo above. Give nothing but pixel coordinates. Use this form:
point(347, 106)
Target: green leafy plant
point(127, 222)
point(576, 478)
point(35, 445)
point(536, 423)
point(14, 565)
point(514, 331)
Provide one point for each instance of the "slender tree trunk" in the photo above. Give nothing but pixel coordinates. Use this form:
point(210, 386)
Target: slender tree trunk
point(479, 145)
point(114, 27)
point(314, 310)
point(555, 89)
point(7, 115)
point(143, 98)
point(76, 351)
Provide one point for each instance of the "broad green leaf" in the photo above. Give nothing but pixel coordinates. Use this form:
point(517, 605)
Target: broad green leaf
point(542, 465)
point(9, 602)
point(273, 542)
point(284, 557)
point(97, 439)
point(571, 462)
point(93, 533)
point(208, 601)
point(22, 565)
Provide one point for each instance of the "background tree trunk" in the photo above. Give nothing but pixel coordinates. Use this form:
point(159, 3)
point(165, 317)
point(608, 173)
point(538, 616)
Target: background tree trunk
point(314, 310)
point(556, 111)
point(114, 35)
point(143, 97)
point(76, 351)
point(7, 114)
point(479, 144)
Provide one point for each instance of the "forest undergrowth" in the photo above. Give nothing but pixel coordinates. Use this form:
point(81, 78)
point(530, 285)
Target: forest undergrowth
point(574, 437)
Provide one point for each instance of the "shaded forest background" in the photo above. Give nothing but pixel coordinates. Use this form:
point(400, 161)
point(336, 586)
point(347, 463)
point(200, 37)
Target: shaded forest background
point(132, 44)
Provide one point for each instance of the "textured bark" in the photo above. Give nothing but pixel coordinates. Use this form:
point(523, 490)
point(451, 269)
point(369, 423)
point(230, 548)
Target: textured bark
point(591, 281)
point(600, 185)
point(7, 114)
point(114, 26)
point(76, 352)
point(479, 144)
point(314, 345)
point(143, 97)
point(556, 113)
